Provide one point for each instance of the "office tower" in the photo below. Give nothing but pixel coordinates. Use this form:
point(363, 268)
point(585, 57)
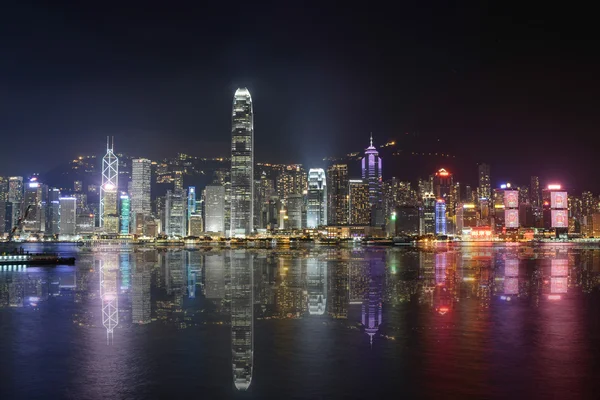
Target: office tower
point(466, 217)
point(68, 215)
point(141, 179)
point(406, 220)
point(214, 209)
point(15, 197)
point(175, 215)
point(359, 208)
point(195, 225)
point(316, 209)
point(125, 214)
point(469, 194)
point(110, 183)
point(372, 174)
point(485, 187)
point(295, 204)
point(429, 212)
point(316, 285)
point(34, 200)
point(242, 317)
point(242, 164)
point(555, 208)
point(78, 186)
point(534, 191)
point(15, 189)
point(425, 186)
point(3, 205)
point(442, 184)
point(191, 201)
point(53, 212)
point(337, 176)
point(440, 217)
point(291, 181)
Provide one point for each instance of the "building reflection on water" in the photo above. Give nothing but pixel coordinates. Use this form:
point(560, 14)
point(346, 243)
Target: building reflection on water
point(116, 289)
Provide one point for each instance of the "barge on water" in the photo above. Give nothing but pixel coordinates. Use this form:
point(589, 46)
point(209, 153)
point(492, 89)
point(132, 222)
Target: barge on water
point(36, 259)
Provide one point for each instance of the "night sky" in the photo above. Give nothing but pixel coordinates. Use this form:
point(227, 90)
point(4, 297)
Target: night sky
point(510, 84)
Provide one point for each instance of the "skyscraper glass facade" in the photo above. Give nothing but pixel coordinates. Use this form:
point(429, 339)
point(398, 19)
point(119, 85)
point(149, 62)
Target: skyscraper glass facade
point(242, 164)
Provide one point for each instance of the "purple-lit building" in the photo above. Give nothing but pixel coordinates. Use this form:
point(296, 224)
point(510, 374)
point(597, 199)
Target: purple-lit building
point(372, 175)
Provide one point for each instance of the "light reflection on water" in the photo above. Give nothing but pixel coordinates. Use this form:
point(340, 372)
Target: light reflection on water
point(142, 322)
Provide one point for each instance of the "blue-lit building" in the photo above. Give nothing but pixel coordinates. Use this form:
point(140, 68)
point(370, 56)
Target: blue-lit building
point(440, 217)
point(125, 214)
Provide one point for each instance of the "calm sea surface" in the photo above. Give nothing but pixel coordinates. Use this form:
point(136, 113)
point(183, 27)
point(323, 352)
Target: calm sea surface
point(494, 322)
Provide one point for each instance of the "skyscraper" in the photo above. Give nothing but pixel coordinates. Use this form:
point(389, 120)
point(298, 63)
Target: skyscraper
point(372, 175)
point(440, 217)
point(191, 202)
point(294, 205)
point(359, 209)
point(242, 164)
point(175, 215)
point(141, 203)
point(485, 187)
point(110, 183)
point(125, 214)
point(68, 215)
point(214, 209)
point(337, 176)
point(429, 208)
point(534, 191)
point(316, 209)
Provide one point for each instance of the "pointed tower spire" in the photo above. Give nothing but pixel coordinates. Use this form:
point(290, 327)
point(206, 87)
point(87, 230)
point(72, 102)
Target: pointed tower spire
point(107, 143)
point(371, 139)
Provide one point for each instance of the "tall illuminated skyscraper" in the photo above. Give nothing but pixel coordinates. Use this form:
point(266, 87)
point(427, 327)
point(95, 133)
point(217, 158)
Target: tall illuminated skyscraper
point(485, 187)
point(337, 175)
point(110, 182)
point(125, 214)
point(242, 164)
point(372, 174)
point(214, 208)
point(175, 215)
point(141, 205)
point(316, 209)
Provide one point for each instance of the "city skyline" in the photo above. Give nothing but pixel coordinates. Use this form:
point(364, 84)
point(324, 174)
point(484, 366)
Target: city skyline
point(452, 92)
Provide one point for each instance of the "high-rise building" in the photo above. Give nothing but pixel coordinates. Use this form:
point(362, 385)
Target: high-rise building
point(442, 184)
point(291, 181)
point(555, 208)
point(440, 217)
point(242, 164)
point(195, 225)
point(429, 212)
point(372, 175)
point(78, 186)
point(68, 215)
point(359, 209)
point(485, 186)
point(125, 214)
point(34, 205)
point(175, 215)
point(15, 189)
point(110, 183)
point(295, 205)
point(534, 191)
point(191, 202)
point(214, 208)
point(53, 212)
point(337, 191)
point(141, 179)
point(316, 209)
